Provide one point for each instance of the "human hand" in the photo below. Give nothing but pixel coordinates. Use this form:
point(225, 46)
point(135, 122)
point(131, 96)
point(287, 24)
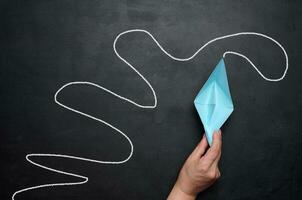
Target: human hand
point(199, 171)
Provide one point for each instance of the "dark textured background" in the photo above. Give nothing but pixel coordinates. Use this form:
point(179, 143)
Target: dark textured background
point(45, 44)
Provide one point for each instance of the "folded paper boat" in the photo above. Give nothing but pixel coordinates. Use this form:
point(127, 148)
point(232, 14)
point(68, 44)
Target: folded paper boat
point(213, 102)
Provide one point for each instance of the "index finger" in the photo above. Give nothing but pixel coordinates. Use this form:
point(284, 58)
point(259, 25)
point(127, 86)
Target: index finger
point(214, 151)
point(200, 148)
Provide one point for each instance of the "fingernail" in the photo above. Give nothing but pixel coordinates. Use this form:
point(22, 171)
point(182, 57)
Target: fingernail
point(218, 132)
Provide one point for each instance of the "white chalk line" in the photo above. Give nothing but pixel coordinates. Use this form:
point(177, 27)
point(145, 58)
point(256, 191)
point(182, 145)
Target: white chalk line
point(84, 178)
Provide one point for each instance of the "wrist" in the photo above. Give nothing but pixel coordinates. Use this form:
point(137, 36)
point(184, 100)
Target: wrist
point(178, 193)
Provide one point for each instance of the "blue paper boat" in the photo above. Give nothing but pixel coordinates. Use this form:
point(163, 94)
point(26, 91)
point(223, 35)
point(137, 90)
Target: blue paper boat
point(213, 102)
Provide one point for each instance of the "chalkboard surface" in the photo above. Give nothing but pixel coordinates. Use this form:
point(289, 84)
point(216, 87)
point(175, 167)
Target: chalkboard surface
point(45, 44)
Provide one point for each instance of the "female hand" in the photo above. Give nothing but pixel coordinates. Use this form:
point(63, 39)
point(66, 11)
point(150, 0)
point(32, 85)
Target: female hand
point(199, 171)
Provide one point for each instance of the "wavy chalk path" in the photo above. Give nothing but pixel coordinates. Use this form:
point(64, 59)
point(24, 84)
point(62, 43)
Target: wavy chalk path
point(84, 179)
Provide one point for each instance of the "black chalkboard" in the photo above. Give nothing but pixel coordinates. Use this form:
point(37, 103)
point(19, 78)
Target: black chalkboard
point(45, 44)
